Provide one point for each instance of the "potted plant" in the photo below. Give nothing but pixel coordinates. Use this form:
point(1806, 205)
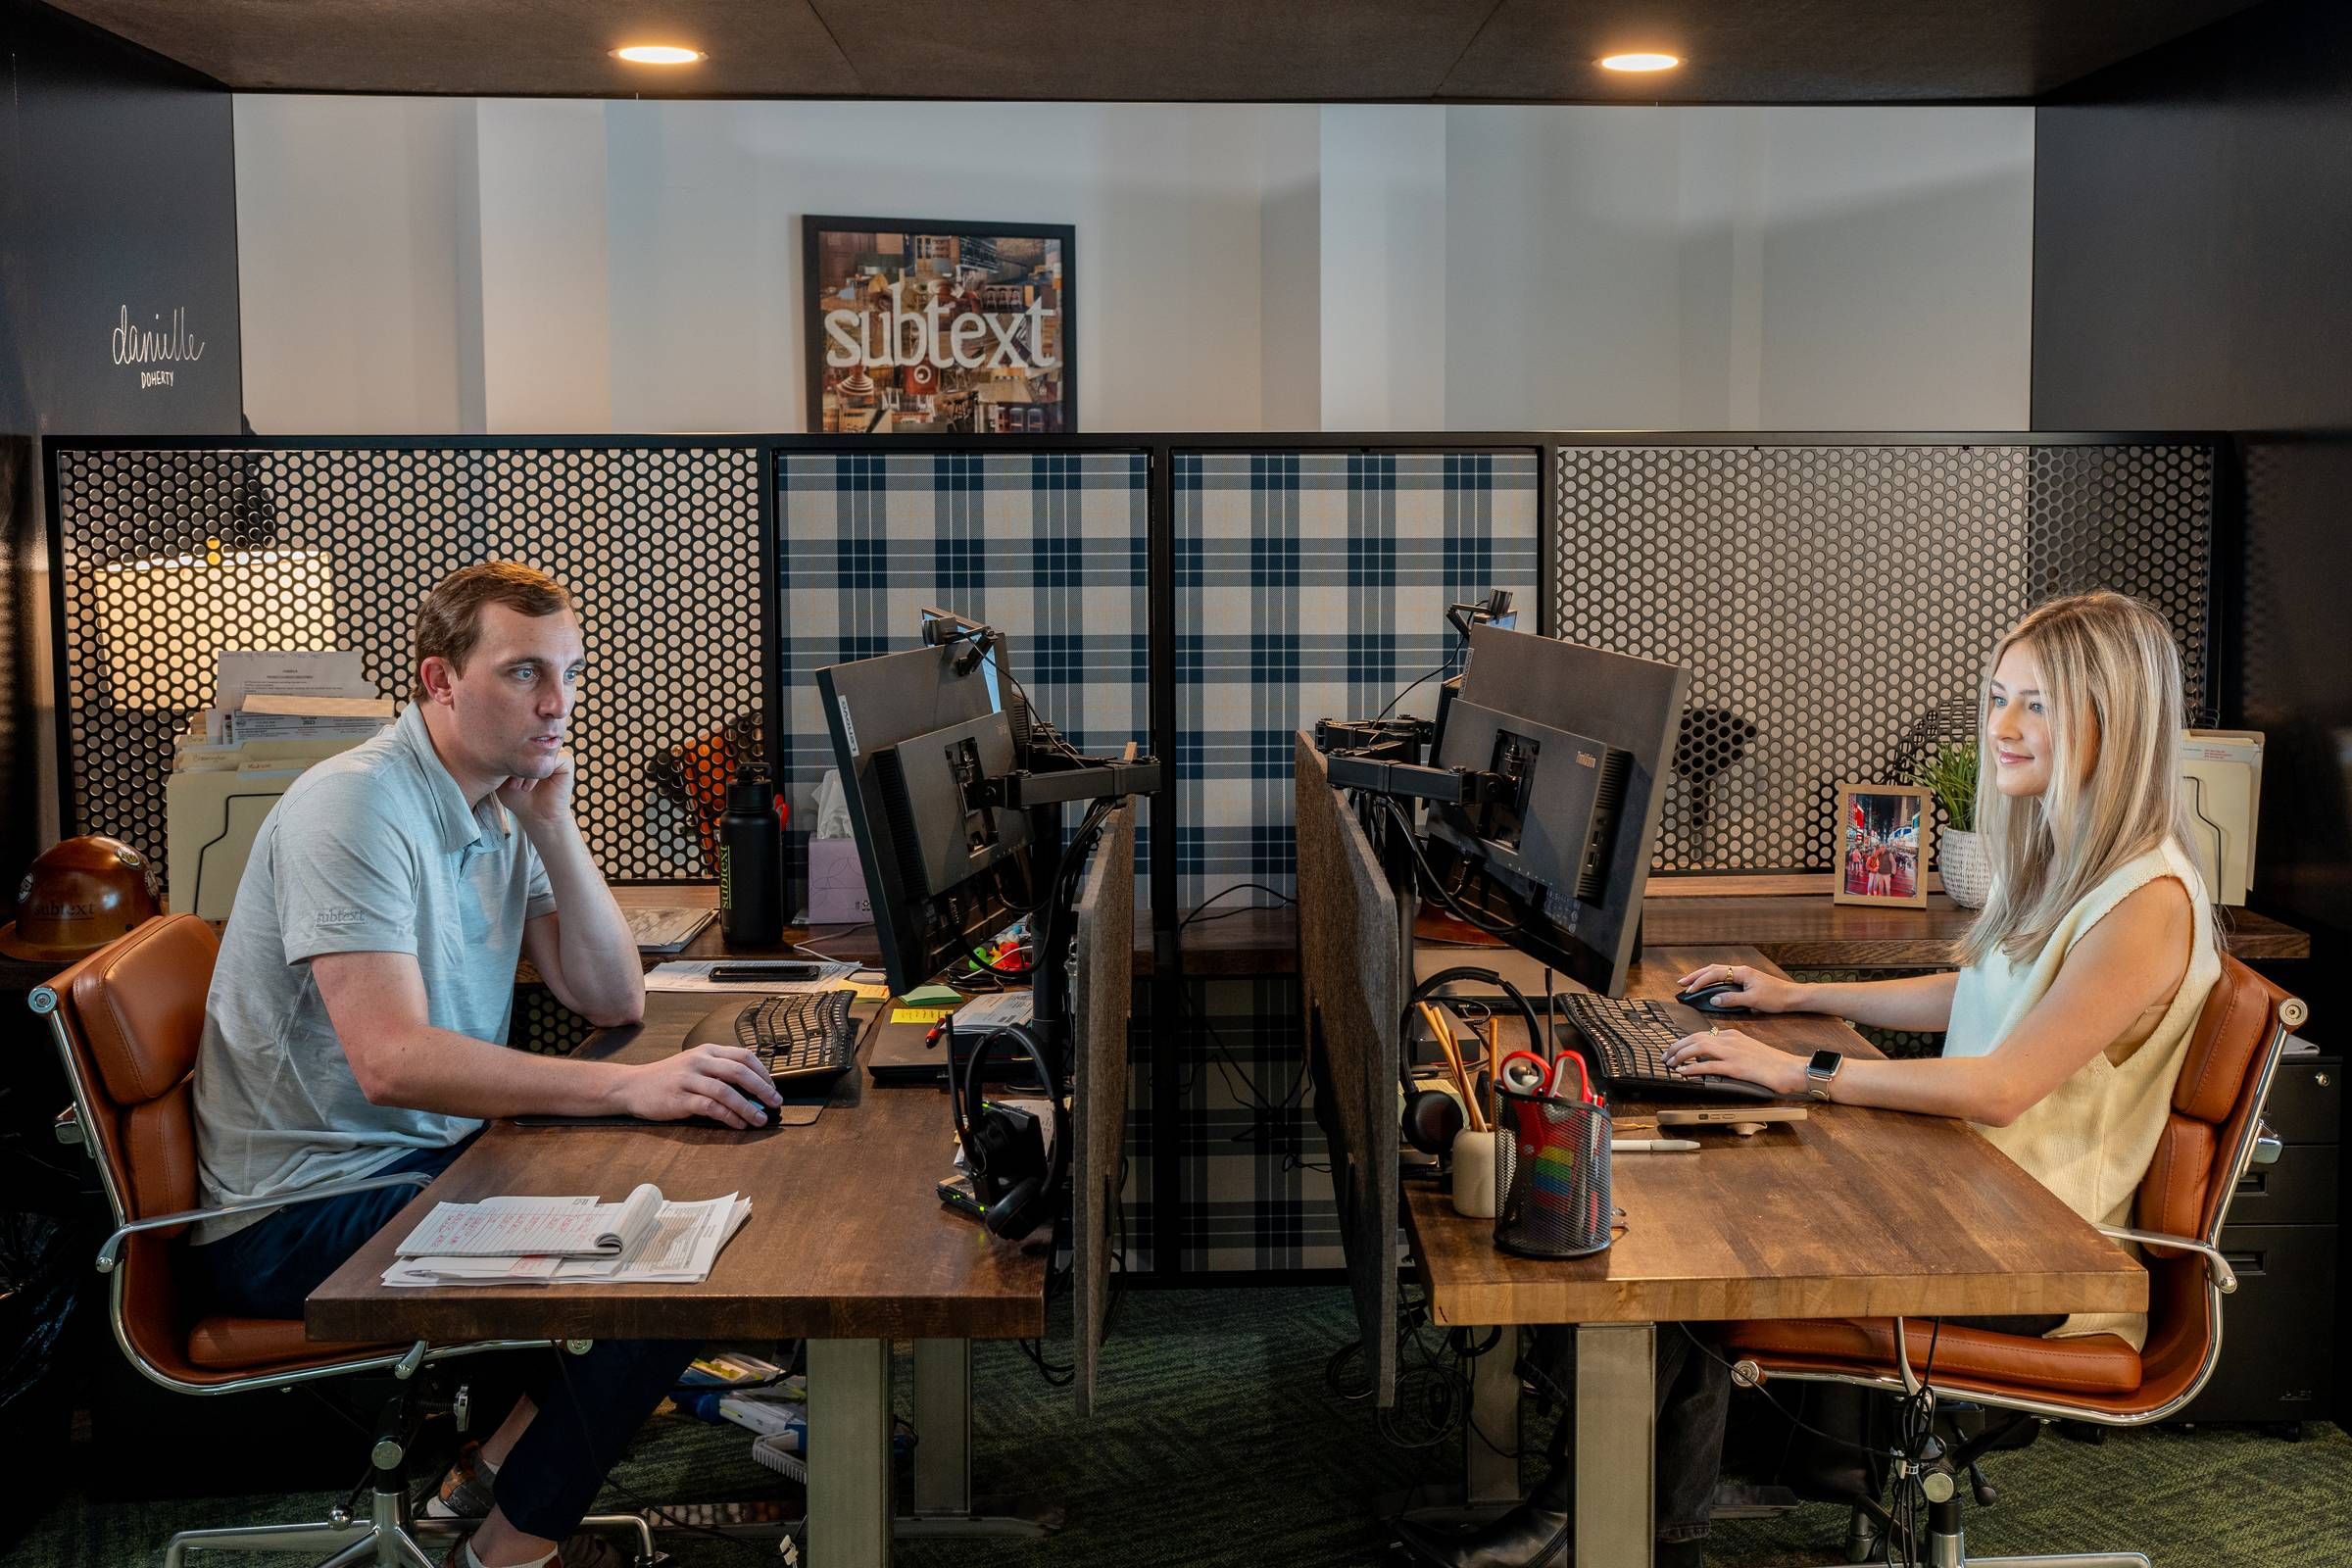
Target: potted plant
point(1949, 773)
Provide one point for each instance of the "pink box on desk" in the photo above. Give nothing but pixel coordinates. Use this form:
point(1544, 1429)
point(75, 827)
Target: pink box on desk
point(837, 883)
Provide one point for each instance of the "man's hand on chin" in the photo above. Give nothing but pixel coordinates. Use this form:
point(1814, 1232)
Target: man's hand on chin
point(540, 801)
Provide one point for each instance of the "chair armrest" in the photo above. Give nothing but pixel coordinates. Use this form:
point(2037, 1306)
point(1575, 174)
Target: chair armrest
point(110, 1252)
point(67, 1127)
point(2225, 1278)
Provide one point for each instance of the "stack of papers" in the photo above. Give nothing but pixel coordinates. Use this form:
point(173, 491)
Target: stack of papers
point(643, 1240)
point(301, 694)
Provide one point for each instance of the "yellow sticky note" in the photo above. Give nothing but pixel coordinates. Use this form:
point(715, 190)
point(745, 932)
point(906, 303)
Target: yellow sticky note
point(920, 1014)
point(877, 992)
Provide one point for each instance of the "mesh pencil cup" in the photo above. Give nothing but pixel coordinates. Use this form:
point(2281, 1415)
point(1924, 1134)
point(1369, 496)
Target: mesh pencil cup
point(1551, 1175)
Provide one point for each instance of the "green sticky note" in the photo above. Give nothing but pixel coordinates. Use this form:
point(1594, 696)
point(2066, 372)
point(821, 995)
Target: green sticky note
point(932, 997)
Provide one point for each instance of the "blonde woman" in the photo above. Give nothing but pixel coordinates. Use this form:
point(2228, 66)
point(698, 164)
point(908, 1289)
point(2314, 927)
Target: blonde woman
point(2082, 980)
point(2064, 1028)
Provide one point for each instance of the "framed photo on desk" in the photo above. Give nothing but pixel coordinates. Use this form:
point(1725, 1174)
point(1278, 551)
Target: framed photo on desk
point(1882, 845)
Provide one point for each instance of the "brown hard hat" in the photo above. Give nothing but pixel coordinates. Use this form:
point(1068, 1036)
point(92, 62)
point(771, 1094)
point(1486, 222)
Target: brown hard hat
point(78, 896)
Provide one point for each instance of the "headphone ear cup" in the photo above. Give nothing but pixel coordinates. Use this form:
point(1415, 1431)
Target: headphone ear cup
point(1432, 1119)
point(1013, 1216)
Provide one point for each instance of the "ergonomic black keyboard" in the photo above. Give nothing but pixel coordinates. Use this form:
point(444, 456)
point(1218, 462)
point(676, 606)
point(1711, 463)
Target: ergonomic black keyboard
point(1625, 1042)
point(805, 1035)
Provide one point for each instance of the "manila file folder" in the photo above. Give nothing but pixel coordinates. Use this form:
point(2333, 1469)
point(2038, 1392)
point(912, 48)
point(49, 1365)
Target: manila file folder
point(210, 820)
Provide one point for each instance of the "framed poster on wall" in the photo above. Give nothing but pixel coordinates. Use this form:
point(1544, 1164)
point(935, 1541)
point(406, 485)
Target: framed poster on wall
point(916, 326)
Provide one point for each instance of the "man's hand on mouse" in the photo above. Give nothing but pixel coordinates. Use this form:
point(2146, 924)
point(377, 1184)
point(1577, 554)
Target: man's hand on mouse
point(724, 1083)
point(1757, 990)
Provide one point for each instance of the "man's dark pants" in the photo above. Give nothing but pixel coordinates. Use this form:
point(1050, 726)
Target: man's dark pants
point(589, 1405)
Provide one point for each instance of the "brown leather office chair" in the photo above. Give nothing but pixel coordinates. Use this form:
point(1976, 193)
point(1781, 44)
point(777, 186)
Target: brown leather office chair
point(127, 1020)
point(2214, 1135)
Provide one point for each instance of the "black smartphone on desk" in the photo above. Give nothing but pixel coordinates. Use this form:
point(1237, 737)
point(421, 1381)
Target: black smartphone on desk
point(778, 971)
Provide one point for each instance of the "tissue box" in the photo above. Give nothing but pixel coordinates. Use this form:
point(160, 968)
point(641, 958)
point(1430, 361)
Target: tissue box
point(837, 883)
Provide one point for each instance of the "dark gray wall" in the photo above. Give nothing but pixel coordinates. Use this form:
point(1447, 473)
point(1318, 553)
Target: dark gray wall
point(118, 217)
point(2192, 269)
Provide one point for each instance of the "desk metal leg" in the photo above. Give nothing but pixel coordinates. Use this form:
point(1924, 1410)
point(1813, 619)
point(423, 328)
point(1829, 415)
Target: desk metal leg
point(943, 1421)
point(944, 1504)
point(1616, 1443)
point(1490, 1437)
point(849, 1445)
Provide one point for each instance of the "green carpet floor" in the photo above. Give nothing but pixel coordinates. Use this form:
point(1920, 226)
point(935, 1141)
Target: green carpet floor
point(1218, 1442)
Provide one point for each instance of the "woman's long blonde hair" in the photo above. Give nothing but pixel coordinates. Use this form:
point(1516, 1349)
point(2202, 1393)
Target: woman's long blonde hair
point(2111, 683)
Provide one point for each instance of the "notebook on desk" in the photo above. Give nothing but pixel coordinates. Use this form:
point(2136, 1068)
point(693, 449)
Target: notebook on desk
point(904, 1051)
point(652, 1042)
point(667, 930)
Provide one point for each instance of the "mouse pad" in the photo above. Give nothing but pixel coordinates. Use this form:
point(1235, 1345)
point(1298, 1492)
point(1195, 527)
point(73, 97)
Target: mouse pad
point(652, 1042)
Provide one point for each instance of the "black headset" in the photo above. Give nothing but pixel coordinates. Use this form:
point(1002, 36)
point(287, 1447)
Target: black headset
point(1002, 1162)
point(1433, 1118)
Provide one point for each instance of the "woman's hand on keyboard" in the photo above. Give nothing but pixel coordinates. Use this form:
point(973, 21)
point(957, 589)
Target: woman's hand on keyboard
point(724, 1083)
point(1758, 992)
point(1729, 1054)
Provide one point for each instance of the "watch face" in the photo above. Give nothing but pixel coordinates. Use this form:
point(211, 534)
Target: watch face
point(1826, 1061)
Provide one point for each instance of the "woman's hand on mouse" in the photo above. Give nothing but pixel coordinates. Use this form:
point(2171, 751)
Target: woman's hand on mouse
point(1758, 992)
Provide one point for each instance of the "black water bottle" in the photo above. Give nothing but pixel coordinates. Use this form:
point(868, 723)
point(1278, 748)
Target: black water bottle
point(751, 863)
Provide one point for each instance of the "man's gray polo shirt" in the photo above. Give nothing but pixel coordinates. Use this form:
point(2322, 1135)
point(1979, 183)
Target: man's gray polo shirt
point(373, 850)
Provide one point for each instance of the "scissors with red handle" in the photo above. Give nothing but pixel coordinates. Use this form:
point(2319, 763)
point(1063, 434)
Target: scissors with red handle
point(1526, 1073)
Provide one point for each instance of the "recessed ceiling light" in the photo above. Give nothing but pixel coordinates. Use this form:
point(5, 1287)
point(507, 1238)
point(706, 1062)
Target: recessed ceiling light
point(1639, 62)
point(657, 54)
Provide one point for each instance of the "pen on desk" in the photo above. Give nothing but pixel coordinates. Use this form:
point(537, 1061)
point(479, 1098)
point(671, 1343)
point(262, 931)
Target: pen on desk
point(1653, 1145)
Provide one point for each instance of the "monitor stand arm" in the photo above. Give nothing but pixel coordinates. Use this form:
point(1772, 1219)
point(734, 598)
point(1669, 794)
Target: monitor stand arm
point(1410, 781)
point(1049, 977)
point(1102, 781)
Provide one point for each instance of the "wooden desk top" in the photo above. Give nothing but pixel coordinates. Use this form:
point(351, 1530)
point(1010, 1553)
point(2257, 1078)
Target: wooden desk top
point(1796, 930)
point(1850, 1213)
point(846, 1238)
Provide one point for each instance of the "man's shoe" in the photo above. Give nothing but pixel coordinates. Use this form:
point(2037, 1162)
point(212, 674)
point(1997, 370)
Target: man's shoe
point(465, 1490)
point(1533, 1535)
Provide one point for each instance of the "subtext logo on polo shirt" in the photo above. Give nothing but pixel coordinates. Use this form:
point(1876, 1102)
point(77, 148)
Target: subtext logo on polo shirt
point(336, 917)
point(159, 344)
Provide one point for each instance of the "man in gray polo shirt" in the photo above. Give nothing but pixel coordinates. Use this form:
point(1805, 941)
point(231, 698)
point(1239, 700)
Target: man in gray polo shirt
point(358, 1016)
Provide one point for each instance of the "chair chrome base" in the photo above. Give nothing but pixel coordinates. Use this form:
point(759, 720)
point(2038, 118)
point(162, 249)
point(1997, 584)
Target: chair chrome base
point(387, 1538)
point(1947, 1548)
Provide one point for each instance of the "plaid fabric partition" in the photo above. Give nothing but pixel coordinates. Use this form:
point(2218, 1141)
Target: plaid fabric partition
point(1254, 1177)
point(1313, 585)
point(1308, 585)
point(1048, 548)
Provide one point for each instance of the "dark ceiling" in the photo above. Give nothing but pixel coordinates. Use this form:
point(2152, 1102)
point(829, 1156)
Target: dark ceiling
point(1436, 51)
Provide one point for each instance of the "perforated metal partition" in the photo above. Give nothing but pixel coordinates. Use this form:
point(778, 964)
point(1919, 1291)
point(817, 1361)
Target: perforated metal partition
point(1836, 598)
point(169, 554)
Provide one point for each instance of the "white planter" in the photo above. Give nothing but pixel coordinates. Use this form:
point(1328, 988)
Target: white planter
point(1966, 869)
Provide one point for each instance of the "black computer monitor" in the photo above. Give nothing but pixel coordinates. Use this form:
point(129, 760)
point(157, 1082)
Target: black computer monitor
point(1559, 861)
point(915, 736)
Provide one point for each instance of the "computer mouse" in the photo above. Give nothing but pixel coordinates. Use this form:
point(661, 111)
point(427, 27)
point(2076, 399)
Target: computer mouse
point(1703, 999)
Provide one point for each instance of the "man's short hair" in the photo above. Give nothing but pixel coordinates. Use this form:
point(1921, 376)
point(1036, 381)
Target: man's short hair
point(450, 620)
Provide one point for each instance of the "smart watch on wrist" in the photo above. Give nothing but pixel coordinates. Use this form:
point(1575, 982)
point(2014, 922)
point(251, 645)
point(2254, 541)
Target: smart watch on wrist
point(1820, 1071)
